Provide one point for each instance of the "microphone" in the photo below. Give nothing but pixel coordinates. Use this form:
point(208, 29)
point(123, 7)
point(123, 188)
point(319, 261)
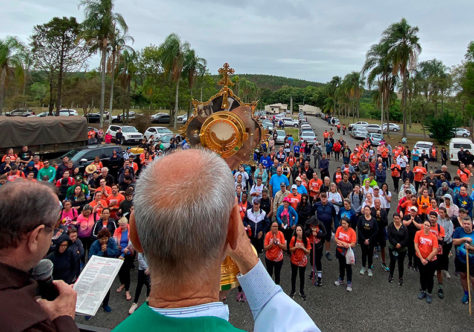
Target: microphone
point(43, 274)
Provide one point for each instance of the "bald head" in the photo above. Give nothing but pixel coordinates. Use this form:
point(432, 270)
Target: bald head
point(182, 208)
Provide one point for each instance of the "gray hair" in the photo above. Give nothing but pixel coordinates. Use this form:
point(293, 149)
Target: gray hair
point(182, 223)
point(25, 205)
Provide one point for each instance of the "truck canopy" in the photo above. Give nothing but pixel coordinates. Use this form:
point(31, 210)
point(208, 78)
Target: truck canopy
point(42, 131)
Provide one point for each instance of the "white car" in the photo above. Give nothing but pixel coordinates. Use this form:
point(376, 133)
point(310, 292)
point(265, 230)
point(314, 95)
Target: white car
point(375, 138)
point(280, 137)
point(289, 122)
point(68, 112)
point(374, 128)
point(358, 124)
point(157, 132)
point(423, 146)
point(462, 132)
point(130, 134)
point(359, 132)
point(309, 137)
point(306, 126)
point(391, 127)
point(455, 145)
point(267, 124)
point(182, 118)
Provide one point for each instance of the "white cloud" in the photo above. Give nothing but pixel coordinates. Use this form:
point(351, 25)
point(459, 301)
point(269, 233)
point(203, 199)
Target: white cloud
point(305, 39)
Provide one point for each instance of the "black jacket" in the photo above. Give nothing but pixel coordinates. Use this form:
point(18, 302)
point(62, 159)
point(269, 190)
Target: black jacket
point(397, 236)
point(304, 212)
point(382, 222)
point(64, 263)
point(367, 230)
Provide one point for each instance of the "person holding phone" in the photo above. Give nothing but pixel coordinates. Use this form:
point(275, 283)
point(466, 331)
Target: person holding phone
point(274, 245)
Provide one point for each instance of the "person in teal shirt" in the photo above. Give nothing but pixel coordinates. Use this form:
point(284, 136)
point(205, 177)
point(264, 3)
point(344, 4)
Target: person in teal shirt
point(48, 171)
point(463, 240)
point(185, 244)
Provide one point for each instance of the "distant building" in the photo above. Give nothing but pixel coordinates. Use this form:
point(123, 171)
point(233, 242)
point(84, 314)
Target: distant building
point(309, 109)
point(276, 108)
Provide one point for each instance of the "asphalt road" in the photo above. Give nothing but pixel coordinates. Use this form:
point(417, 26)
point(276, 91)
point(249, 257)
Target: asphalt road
point(373, 305)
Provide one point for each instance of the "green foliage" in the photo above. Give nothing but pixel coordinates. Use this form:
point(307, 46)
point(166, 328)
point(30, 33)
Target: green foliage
point(441, 127)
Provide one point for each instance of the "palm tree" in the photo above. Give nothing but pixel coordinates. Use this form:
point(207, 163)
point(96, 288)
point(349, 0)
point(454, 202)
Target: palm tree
point(403, 50)
point(172, 57)
point(10, 57)
point(379, 67)
point(98, 29)
point(193, 67)
point(127, 67)
point(118, 43)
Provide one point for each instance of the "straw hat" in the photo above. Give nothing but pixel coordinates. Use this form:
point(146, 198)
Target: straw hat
point(91, 169)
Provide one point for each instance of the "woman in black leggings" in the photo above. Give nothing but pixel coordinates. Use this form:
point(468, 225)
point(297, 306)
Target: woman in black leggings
point(367, 232)
point(316, 234)
point(274, 245)
point(397, 247)
point(426, 247)
point(299, 248)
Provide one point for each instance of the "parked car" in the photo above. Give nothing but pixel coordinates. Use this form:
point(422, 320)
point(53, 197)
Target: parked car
point(374, 128)
point(391, 127)
point(334, 121)
point(359, 132)
point(160, 118)
point(462, 132)
point(423, 146)
point(119, 118)
point(306, 126)
point(375, 138)
point(280, 139)
point(157, 132)
point(182, 118)
point(358, 124)
point(20, 112)
point(83, 157)
point(43, 114)
point(309, 137)
point(289, 122)
point(130, 134)
point(68, 112)
point(93, 117)
point(455, 144)
point(268, 125)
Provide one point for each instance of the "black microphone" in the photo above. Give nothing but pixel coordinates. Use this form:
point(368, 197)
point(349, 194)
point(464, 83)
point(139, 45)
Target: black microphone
point(43, 274)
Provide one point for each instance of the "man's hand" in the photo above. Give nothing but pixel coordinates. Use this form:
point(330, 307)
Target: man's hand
point(103, 247)
point(63, 305)
point(243, 254)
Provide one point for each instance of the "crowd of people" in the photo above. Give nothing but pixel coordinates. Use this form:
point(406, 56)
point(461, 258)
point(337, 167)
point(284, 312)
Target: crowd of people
point(290, 204)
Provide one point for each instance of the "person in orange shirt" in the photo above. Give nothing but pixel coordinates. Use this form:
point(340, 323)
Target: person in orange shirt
point(314, 187)
point(98, 204)
point(426, 247)
point(433, 207)
point(114, 200)
point(274, 244)
point(291, 160)
point(345, 238)
point(97, 163)
point(423, 202)
point(419, 173)
point(325, 135)
point(299, 250)
point(464, 173)
point(38, 163)
point(133, 165)
point(104, 189)
point(294, 197)
point(354, 159)
point(396, 173)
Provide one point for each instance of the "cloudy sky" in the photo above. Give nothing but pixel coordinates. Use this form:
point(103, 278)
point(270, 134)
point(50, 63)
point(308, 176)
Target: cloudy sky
point(306, 39)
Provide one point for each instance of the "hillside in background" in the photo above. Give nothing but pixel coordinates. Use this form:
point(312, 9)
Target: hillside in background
point(275, 82)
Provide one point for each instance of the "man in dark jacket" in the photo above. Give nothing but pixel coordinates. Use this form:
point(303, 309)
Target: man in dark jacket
point(325, 212)
point(25, 237)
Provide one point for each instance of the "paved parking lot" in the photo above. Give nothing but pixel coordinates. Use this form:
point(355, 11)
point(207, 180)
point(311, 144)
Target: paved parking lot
point(374, 304)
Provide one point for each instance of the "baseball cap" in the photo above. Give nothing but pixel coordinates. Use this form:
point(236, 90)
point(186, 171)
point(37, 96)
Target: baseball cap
point(298, 179)
point(414, 208)
point(282, 184)
point(375, 187)
point(294, 187)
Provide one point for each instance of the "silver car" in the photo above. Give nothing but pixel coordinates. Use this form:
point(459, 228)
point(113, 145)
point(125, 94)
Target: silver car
point(280, 139)
point(309, 137)
point(374, 128)
point(375, 138)
point(359, 132)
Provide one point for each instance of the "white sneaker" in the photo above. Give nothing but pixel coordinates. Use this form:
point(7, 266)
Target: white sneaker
point(362, 271)
point(133, 308)
point(349, 287)
point(446, 273)
point(338, 282)
point(370, 273)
